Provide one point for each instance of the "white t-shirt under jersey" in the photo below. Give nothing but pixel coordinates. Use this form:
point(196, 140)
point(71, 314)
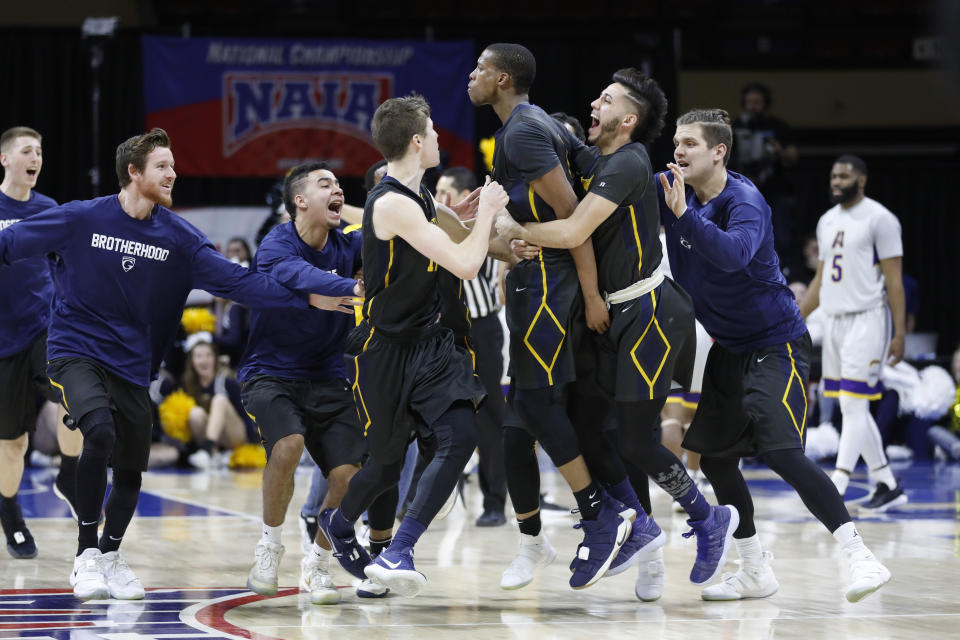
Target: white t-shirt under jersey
point(852, 243)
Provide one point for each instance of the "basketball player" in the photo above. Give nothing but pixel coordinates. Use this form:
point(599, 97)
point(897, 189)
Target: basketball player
point(531, 157)
point(720, 239)
point(408, 371)
point(853, 236)
point(651, 337)
point(295, 380)
point(26, 293)
point(126, 266)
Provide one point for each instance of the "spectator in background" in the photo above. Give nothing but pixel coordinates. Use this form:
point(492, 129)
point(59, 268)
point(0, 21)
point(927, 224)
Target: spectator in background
point(233, 320)
point(217, 419)
point(948, 437)
point(763, 149)
point(572, 124)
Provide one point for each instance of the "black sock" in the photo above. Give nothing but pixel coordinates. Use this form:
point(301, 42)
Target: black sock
point(588, 500)
point(377, 546)
point(121, 505)
point(67, 476)
point(530, 526)
point(208, 445)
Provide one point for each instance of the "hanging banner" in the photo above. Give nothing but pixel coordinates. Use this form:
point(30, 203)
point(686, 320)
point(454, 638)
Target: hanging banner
point(256, 107)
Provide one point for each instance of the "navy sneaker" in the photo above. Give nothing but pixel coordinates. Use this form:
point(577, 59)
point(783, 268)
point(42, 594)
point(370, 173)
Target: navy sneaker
point(348, 551)
point(394, 569)
point(602, 539)
point(645, 536)
point(20, 543)
point(714, 536)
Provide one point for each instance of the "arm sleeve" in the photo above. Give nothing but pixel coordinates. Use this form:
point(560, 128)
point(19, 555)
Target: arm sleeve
point(888, 240)
point(278, 260)
point(619, 177)
point(214, 273)
point(821, 242)
point(37, 235)
point(236, 327)
point(531, 150)
point(729, 250)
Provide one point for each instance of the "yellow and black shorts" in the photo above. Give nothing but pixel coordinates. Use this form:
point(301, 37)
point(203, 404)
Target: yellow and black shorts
point(752, 402)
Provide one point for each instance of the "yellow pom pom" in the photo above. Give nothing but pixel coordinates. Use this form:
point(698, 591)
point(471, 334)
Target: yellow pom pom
point(175, 415)
point(198, 319)
point(486, 148)
point(248, 456)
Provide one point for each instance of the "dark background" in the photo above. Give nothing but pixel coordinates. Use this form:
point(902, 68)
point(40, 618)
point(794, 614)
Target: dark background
point(47, 83)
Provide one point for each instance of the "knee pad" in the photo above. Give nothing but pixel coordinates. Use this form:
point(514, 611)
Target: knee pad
point(98, 430)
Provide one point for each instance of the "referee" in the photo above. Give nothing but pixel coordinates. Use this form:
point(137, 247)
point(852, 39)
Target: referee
point(482, 297)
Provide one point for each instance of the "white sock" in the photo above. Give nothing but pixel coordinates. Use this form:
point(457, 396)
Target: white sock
point(271, 534)
point(749, 549)
point(840, 480)
point(884, 475)
point(319, 552)
point(848, 537)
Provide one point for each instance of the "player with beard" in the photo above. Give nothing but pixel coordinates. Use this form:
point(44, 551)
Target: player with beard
point(650, 342)
point(26, 294)
point(125, 266)
point(754, 397)
point(860, 245)
point(545, 310)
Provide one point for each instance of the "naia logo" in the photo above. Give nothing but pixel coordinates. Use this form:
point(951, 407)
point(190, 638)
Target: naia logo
point(261, 103)
point(128, 262)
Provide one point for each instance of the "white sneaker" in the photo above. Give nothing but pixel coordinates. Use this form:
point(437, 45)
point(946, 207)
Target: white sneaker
point(650, 576)
point(315, 578)
point(121, 580)
point(867, 574)
point(535, 552)
point(87, 578)
point(262, 578)
point(750, 581)
point(201, 460)
point(371, 589)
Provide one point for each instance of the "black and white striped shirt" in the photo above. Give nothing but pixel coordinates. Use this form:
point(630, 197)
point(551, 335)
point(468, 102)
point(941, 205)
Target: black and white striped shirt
point(481, 294)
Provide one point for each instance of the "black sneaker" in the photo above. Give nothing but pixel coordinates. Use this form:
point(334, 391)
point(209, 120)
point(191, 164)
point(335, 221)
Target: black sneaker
point(20, 542)
point(66, 492)
point(885, 498)
point(492, 518)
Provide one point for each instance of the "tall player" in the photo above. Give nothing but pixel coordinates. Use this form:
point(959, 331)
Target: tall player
point(543, 297)
point(408, 372)
point(720, 240)
point(126, 266)
point(861, 248)
point(651, 337)
point(26, 293)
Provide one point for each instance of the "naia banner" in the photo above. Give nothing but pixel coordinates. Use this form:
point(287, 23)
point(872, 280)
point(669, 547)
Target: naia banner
point(256, 107)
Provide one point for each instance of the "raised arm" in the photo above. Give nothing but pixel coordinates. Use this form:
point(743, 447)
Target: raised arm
point(395, 215)
point(728, 250)
point(280, 263)
point(37, 235)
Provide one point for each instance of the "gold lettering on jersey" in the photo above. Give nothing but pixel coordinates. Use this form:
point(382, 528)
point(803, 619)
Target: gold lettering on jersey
point(129, 247)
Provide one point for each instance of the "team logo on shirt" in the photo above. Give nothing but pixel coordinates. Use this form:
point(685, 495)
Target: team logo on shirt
point(6, 223)
point(685, 243)
point(128, 262)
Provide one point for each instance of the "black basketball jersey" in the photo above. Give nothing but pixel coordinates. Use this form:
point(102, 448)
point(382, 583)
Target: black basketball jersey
point(528, 146)
point(627, 244)
point(401, 283)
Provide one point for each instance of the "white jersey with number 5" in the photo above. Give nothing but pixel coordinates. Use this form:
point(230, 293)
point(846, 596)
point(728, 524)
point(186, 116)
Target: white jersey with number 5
point(852, 243)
